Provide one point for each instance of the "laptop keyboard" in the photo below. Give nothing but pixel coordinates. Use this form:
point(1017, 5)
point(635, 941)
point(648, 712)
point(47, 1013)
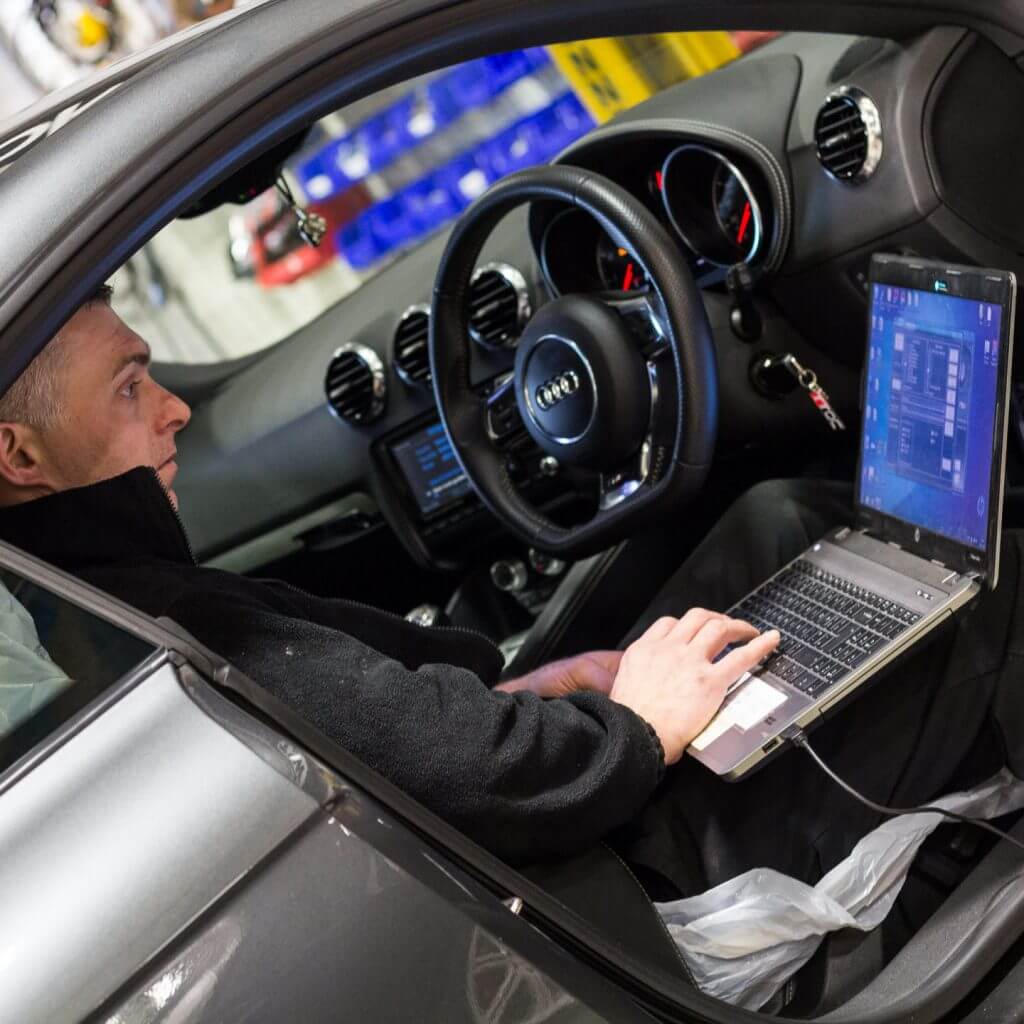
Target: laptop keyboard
point(828, 624)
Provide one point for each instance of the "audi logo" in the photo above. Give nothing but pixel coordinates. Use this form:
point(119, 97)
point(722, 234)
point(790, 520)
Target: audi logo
point(553, 391)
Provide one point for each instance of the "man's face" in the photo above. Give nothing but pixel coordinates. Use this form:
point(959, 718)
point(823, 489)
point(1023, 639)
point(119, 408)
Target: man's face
point(116, 416)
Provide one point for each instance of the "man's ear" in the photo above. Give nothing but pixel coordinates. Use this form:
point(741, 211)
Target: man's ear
point(23, 475)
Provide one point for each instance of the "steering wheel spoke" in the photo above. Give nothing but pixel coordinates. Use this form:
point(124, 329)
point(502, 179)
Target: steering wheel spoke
point(625, 481)
point(643, 316)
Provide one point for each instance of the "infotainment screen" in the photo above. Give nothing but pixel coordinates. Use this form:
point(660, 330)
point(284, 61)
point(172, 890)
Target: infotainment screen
point(430, 468)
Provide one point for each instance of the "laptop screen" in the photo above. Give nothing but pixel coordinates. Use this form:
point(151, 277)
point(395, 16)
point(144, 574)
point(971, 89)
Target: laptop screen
point(929, 410)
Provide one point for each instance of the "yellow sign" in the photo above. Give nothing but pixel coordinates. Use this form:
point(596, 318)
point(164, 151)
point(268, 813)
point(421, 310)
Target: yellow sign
point(611, 75)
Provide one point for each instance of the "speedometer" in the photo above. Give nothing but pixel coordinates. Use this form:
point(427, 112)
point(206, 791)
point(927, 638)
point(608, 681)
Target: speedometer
point(712, 205)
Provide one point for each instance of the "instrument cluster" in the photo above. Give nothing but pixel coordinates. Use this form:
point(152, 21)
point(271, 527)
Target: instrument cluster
point(715, 205)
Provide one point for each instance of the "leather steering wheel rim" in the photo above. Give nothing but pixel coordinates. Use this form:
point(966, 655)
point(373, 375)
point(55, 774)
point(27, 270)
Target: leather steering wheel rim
point(681, 463)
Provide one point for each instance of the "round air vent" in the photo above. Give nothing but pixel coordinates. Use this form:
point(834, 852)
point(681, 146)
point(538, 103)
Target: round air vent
point(499, 305)
point(848, 135)
point(411, 355)
point(356, 386)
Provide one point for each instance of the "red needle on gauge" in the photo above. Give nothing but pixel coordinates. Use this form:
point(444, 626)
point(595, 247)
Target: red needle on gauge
point(744, 223)
point(627, 279)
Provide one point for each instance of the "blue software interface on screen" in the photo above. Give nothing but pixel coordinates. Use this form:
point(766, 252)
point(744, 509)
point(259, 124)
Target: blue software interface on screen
point(430, 466)
point(929, 410)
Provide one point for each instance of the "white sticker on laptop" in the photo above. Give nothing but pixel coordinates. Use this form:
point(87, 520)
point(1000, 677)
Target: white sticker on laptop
point(748, 706)
point(753, 702)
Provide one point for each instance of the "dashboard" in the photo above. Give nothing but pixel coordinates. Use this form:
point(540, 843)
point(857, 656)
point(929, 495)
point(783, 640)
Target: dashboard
point(740, 166)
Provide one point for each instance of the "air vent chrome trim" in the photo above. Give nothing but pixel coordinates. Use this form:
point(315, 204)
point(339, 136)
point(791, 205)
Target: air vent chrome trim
point(425, 380)
point(378, 383)
point(524, 309)
point(852, 98)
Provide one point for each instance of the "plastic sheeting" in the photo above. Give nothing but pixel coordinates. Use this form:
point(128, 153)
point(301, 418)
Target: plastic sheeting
point(29, 678)
point(745, 938)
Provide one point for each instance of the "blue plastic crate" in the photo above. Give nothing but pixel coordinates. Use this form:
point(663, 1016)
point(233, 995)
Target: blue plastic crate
point(315, 178)
point(503, 69)
point(512, 150)
point(429, 203)
point(382, 139)
point(537, 57)
point(576, 119)
point(466, 177)
point(390, 224)
point(423, 113)
point(357, 245)
point(471, 84)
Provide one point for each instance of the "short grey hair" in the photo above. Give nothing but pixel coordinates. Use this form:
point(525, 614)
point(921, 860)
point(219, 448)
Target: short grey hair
point(36, 398)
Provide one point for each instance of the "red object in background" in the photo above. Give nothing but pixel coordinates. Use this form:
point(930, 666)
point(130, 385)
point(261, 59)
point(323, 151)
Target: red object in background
point(296, 264)
point(279, 254)
point(748, 41)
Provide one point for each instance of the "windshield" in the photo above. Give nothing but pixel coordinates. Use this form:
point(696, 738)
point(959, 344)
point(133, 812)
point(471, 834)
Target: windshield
point(385, 174)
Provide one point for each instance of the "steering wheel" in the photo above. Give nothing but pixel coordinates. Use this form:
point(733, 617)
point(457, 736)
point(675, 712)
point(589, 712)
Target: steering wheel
point(621, 383)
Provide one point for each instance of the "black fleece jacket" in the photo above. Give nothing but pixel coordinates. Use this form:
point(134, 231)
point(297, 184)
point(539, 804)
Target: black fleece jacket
point(527, 778)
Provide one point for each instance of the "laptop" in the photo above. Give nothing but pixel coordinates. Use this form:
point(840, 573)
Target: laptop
point(928, 509)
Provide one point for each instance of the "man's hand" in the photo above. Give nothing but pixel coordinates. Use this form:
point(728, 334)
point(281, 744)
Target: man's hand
point(670, 679)
point(593, 671)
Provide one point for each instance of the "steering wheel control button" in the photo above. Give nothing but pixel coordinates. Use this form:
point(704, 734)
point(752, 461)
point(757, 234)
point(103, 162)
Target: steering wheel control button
point(582, 384)
point(503, 413)
point(549, 465)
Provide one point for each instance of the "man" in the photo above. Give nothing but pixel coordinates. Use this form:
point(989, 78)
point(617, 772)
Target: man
point(87, 466)
point(536, 768)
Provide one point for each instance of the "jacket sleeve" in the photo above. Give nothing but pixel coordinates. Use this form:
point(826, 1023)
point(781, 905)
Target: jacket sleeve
point(525, 777)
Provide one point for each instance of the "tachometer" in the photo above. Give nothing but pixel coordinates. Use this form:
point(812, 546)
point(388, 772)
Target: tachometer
point(712, 205)
point(618, 269)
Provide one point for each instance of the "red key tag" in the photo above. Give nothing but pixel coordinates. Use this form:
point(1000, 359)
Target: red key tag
point(824, 406)
point(809, 382)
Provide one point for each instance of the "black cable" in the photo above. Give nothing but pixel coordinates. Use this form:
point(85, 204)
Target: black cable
point(800, 739)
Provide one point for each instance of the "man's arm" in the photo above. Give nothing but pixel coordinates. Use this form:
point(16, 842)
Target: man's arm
point(593, 671)
point(526, 777)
